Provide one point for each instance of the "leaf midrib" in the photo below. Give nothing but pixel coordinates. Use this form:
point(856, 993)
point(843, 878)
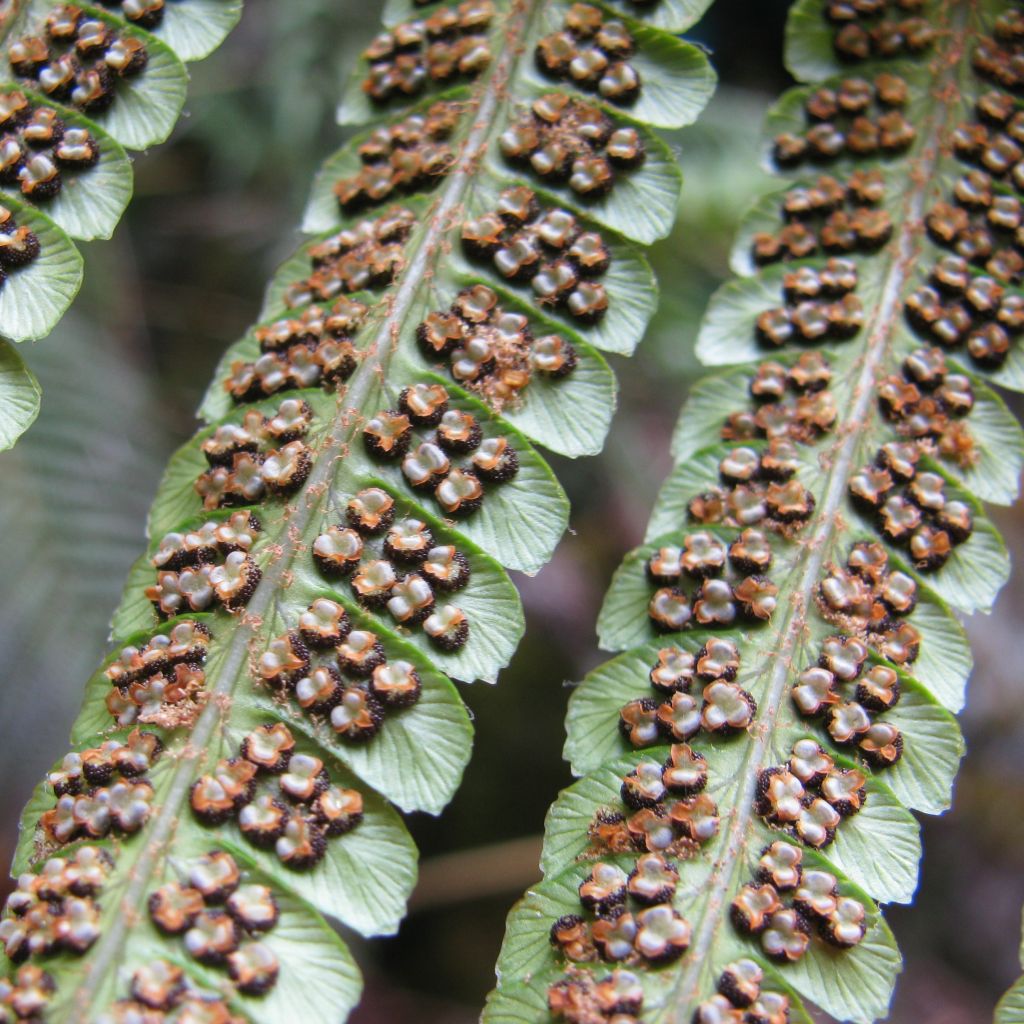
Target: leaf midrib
point(721, 881)
point(372, 368)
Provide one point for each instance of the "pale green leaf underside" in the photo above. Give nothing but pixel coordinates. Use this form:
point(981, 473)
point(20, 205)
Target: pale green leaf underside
point(19, 396)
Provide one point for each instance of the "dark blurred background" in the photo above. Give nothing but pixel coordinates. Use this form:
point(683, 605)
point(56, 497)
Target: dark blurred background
point(216, 209)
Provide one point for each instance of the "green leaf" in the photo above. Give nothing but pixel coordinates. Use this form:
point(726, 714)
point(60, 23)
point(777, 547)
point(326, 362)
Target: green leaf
point(19, 396)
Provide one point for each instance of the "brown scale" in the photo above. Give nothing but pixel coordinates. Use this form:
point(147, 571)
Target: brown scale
point(313, 348)
point(206, 567)
point(639, 927)
point(77, 59)
point(872, 29)
point(820, 306)
point(408, 156)
point(856, 119)
point(829, 217)
point(290, 806)
point(37, 149)
point(793, 403)
point(545, 247)
point(366, 255)
point(565, 141)
point(592, 53)
point(492, 351)
point(161, 683)
point(452, 43)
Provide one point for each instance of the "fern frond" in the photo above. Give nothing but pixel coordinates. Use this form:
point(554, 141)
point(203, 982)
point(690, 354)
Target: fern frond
point(1011, 1007)
point(748, 767)
point(332, 549)
point(81, 85)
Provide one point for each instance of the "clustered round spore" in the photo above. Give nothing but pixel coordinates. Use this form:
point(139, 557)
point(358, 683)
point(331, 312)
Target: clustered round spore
point(789, 402)
point(282, 799)
point(545, 247)
point(259, 457)
point(54, 910)
point(311, 349)
point(581, 997)
point(161, 991)
point(490, 350)
point(162, 682)
point(408, 156)
point(741, 999)
point(783, 913)
point(364, 256)
point(77, 59)
point(26, 996)
point(566, 141)
point(452, 43)
point(592, 53)
point(856, 119)
point(206, 567)
point(37, 149)
point(339, 675)
point(440, 449)
point(833, 217)
point(820, 305)
point(219, 917)
point(878, 29)
point(101, 790)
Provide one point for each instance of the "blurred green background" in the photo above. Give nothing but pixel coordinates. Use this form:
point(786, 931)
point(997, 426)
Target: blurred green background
point(215, 210)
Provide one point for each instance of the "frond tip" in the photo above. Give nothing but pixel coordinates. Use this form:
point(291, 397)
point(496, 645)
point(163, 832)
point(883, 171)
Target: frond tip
point(749, 765)
point(332, 549)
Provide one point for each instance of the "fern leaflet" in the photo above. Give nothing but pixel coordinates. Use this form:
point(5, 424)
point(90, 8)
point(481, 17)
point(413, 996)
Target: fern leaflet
point(749, 765)
point(332, 549)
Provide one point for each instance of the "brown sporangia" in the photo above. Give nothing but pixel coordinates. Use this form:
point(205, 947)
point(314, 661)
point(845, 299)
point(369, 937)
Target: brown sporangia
point(592, 52)
point(544, 247)
point(741, 997)
point(451, 44)
point(37, 150)
point(788, 403)
point(77, 59)
point(582, 997)
point(313, 348)
point(847, 694)
point(101, 790)
point(26, 995)
point(784, 916)
point(870, 600)
point(206, 567)
point(856, 119)
point(878, 29)
point(693, 693)
point(219, 917)
point(161, 991)
point(365, 255)
point(820, 306)
point(833, 216)
point(566, 141)
point(626, 918)
point(998, 58)
point(55, 910)
point(413, 437)
point(282, 800)
point(810, 795)
point(492, 351)
point(409, 156)
point(398, 567)
point(259, 457)
point(339, 675)
point(162, 682)
point(664, 809)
